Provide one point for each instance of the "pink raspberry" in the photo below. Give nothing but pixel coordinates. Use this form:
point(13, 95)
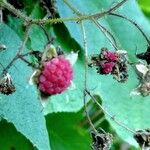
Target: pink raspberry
point(56, 76)
point(107, 67)
point(111, 56)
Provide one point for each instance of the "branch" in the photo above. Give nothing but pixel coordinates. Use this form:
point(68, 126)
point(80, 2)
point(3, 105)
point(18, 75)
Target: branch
point(28, 20)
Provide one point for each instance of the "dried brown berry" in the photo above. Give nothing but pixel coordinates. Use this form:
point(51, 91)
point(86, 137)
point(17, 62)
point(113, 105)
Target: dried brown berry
point(6, 85)
point(143, 138)
point(101, 140)
point(120, 71)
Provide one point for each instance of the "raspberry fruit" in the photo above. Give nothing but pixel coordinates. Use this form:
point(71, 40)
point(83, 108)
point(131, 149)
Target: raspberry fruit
point(111, 56)
point(107, 67)
point(56, 75)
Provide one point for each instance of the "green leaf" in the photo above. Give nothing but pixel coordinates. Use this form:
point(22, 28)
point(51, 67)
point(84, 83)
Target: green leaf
point(145, 6)
point(21, 108)
point(65, 132)
point(11, 139)
point(132, 111)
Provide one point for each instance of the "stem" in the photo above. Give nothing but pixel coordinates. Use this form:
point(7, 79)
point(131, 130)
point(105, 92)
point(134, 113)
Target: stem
point(85, 75)
point(109, 115)
point(134, 23)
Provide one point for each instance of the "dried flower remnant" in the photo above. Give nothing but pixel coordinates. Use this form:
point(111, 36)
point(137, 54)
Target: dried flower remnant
point(6, 85)
point(120, 70)
point(104, 61)
point(114, 63)
point(101, 140)
point(143, 138)
point(143, 72)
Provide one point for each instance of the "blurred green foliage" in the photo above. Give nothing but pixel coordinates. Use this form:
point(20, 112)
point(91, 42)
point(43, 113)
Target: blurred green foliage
point(145, 6)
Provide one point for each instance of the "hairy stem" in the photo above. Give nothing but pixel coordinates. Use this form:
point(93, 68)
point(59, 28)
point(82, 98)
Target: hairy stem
point(28, 20)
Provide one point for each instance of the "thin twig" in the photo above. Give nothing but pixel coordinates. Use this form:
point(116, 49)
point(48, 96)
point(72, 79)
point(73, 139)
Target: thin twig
point(106, 33)
point(85, 75)
point(108, 114)
point(134, 23)
point(19, 50)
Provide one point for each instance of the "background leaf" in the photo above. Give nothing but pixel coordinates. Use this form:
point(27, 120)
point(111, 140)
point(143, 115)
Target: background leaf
point(132, 111)
point(11, 139)
point(22, 108)
point(145, 7)
point(65, 132)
